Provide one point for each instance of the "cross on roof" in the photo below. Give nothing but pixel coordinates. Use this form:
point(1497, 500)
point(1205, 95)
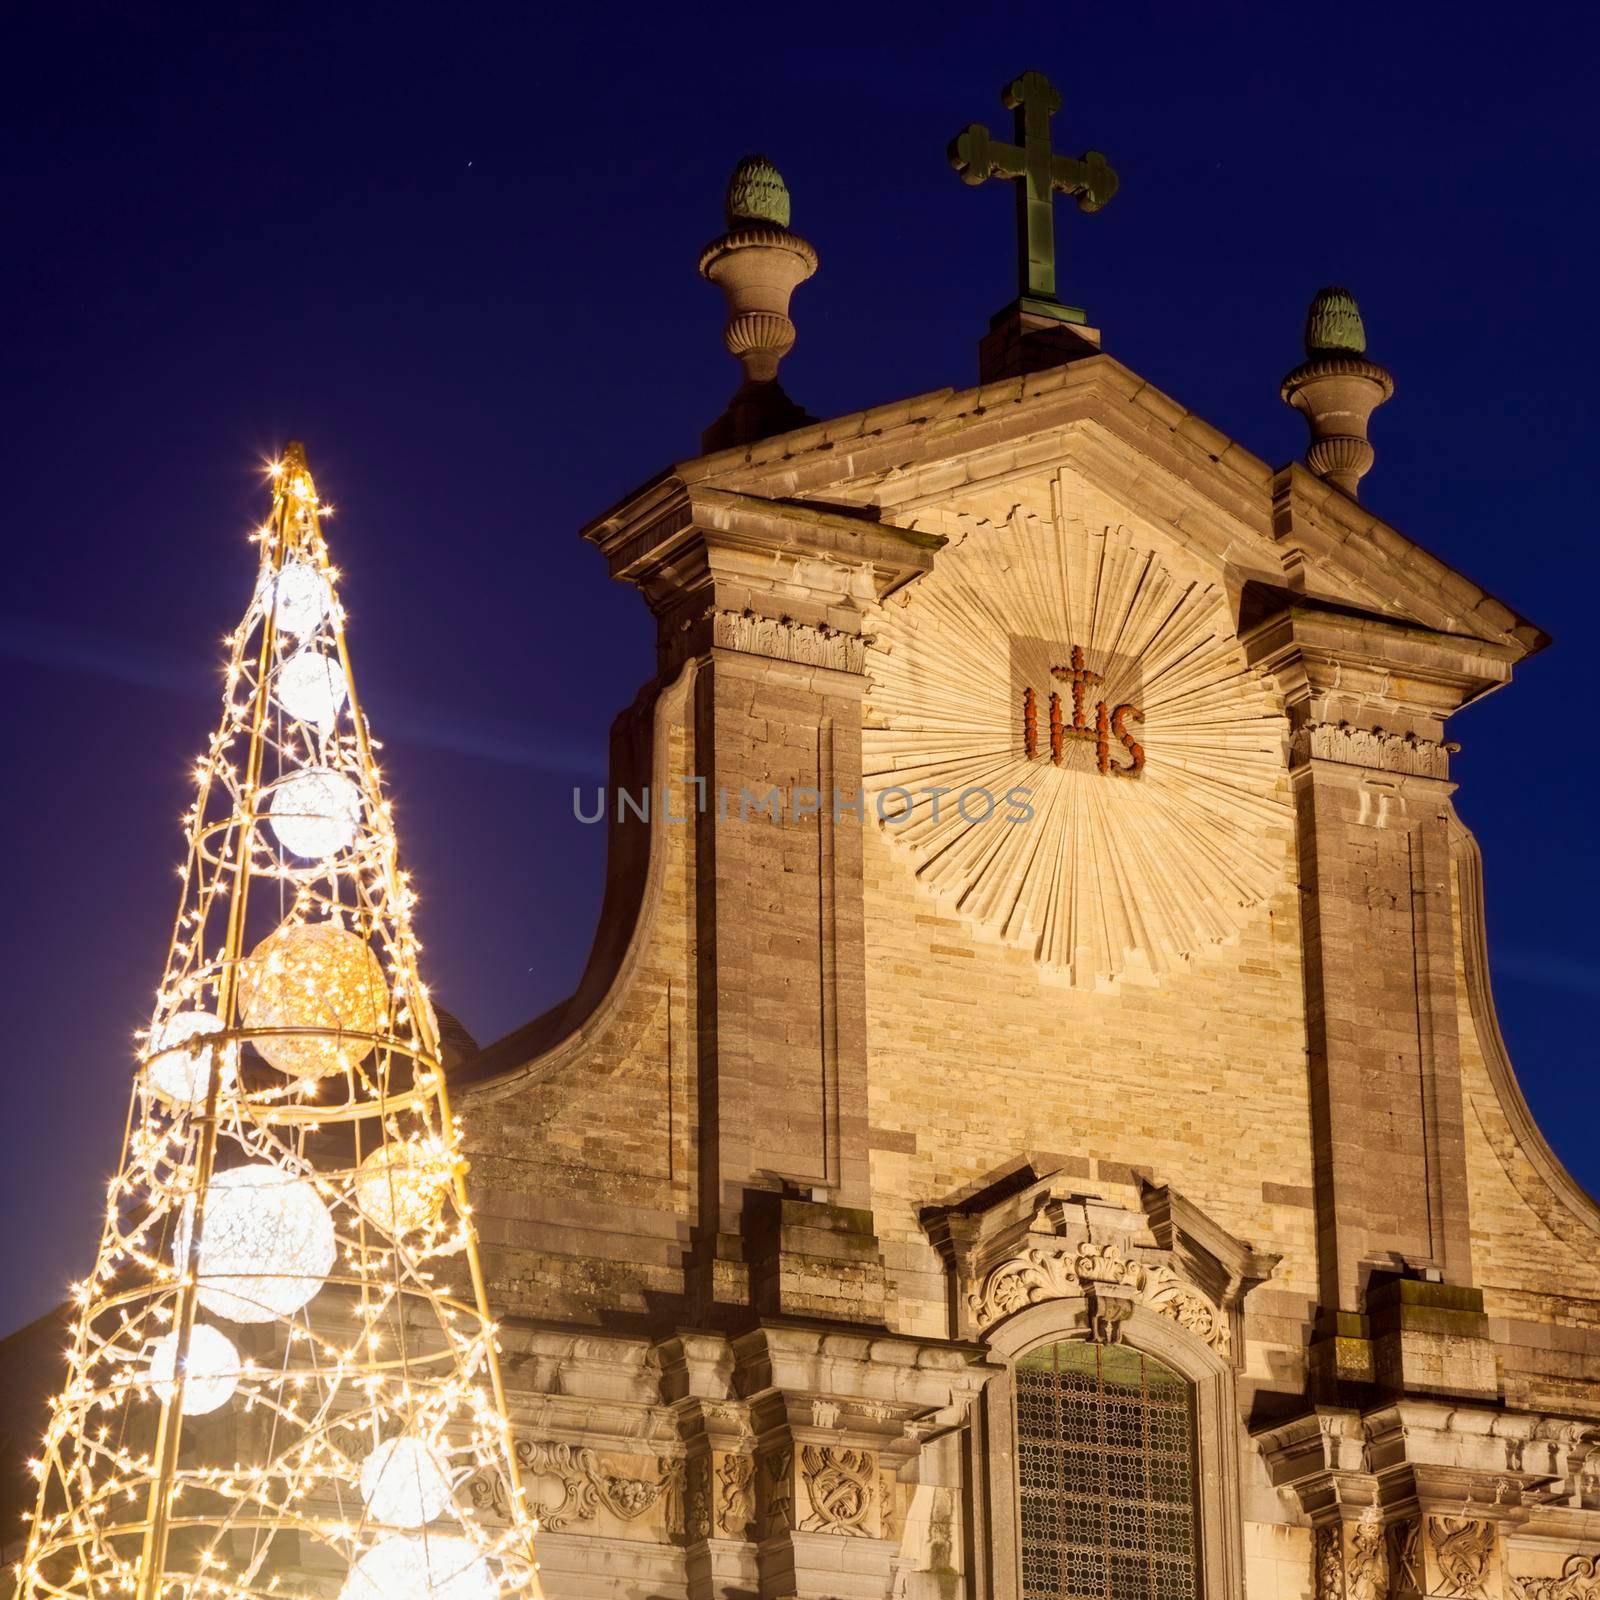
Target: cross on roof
point(977, 157)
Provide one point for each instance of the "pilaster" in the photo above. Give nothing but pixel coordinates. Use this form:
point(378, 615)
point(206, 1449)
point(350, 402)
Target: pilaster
point(771, 599)
point(1367, 701)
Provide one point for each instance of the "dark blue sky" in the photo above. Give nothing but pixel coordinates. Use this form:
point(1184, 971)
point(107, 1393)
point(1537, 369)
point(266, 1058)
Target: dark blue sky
point(454, 251)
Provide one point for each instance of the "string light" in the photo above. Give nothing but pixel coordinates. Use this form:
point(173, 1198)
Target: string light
point(292, 1111)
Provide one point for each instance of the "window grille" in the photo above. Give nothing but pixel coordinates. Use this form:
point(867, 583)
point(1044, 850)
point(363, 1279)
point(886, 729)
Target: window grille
point(1105, 1457)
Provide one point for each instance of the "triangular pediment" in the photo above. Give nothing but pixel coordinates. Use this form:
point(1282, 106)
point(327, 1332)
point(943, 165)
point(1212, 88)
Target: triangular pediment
point(905, 462)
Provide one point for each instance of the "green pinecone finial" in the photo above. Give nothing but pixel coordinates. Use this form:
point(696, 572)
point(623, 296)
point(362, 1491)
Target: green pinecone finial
point(1333, 324)
point(757, 193)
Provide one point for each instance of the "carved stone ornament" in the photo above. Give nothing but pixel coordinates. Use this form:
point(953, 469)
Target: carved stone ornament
point(1327, 1563)
point(1129, 862)
point(1372, 747)
point(736, 1495)
point(567, 1484)
point(1367, 1569)
point(1462, 1547)
point(842, 1486)
point(1405, 1542)
point(698, 1520)
point(811, 645)
point(780, 1494)
point(1036, 1275)
point(1579, 1580)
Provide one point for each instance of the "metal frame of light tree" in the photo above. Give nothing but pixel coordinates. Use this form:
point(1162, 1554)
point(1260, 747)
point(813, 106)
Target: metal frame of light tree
point(367, 1392)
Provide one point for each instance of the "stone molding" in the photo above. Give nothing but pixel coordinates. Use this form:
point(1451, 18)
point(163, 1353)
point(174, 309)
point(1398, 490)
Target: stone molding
point(1035, 1275)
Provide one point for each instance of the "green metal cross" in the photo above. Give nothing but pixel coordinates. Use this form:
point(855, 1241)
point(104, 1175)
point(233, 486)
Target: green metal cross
point(977, 157)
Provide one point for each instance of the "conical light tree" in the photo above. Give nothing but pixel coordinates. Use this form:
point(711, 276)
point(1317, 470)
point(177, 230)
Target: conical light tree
point(283, 1369)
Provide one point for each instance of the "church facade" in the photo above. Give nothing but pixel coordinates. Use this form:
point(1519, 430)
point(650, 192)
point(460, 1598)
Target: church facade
point(1034, 1123)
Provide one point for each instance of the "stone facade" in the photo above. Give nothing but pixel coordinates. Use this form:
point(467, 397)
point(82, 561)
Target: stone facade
point(854, 1109)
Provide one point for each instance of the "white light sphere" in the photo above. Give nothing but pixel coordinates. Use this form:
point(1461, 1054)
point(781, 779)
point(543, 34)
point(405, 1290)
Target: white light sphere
point(404, 1483)
point(313, 975)
point(211, 1373)
point(178, 1069)
point(312, 688)
point(413, 1566)
point(316, 813)
point(297, 599)
point(265, 1247)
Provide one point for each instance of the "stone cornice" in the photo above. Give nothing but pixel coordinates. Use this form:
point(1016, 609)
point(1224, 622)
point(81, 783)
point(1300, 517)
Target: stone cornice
point(1424, 1453)
point(1370, 691)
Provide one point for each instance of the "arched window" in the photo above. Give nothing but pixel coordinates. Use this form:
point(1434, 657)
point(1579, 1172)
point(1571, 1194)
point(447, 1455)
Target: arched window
point(1105, 1439)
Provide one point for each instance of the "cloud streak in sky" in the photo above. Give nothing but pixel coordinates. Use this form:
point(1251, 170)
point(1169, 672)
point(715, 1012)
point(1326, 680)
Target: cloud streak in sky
point(514, 744)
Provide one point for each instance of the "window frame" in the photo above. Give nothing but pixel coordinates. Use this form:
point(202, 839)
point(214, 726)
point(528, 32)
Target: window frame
point(996, 1511)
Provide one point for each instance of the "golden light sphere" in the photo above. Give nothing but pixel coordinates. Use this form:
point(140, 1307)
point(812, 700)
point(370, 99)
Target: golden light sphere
point(313, 975)
point(401, 1187)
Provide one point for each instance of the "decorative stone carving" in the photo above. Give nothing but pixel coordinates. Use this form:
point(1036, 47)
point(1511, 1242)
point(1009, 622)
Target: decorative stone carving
point(842, 1487)
point(736, 1495)
point(1367, 1568)
point(825, 1413)
point(1372, 747)
point(782, 640)
point(780, 1494)
point(1036, 1275)
point(1462, 1547)
point(1107, 876)
point(1579, 1580)
point(1337, 389)
point(567, 1484)
point(672, 1489)
point(1406, 1556)
point(1327, 1563)
point(698, 1516)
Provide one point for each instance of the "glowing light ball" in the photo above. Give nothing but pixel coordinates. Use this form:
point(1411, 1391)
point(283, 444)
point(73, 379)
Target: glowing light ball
point(401, 1187)
point(266, 1244)
point(313, 975)
point(178, 1069)
point(211, 1373)
point(316, 813)
point(413, 1566)
point(404, 1483)
point(312, 688)
point(297, 599)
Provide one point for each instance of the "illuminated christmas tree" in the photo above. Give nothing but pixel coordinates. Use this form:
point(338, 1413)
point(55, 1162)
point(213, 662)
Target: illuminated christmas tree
point(283, 1370)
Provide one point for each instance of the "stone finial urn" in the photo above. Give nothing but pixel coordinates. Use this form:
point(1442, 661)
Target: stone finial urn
point(758, 263)
point(1336, 389)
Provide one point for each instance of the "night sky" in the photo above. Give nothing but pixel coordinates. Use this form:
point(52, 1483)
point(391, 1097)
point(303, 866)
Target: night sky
point(453, 249)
